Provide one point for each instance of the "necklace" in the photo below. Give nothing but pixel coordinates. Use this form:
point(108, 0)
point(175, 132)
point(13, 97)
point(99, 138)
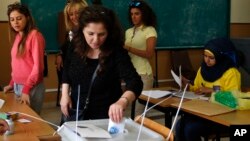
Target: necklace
point(133, 35)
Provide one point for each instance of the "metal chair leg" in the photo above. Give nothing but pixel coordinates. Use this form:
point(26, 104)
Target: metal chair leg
point(133, 110)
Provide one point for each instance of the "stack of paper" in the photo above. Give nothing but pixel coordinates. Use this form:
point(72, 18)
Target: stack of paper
point(156, 93)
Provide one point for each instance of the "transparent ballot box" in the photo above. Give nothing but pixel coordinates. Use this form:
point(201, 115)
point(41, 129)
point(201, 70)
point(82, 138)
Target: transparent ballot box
point(97, 130)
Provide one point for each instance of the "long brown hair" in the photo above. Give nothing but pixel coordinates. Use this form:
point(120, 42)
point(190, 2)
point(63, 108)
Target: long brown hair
point(30, 25)
point(114, 40)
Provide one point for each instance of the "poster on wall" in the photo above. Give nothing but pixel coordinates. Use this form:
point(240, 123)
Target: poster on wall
point(3, 8)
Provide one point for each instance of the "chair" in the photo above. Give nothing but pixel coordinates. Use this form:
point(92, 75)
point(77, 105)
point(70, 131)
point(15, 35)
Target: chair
point(155, 126)
point(49, 138)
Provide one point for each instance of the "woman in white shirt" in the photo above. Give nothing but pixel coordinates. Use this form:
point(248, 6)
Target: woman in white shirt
point(140, 40)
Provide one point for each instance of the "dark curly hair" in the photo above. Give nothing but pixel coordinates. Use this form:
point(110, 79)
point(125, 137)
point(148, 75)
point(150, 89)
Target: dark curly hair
point(115, 37)
point(148, 15)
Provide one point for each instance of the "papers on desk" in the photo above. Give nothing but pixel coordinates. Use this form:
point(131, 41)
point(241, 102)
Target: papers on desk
point(188, 94)
point(156, 93)
point(191, 95)
point(159, 94)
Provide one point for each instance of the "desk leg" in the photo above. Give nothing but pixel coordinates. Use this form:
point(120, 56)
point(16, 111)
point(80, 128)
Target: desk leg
point(168, 117)
point(156, 69)
point(133, 110)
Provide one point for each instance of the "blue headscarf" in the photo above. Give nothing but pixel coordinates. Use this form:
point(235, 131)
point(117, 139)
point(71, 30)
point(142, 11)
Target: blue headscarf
point(225, 55)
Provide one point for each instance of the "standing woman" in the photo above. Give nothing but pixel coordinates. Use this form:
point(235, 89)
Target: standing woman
point(140, 40)
point(27, 60)
point(71, 16)
point(94, 68)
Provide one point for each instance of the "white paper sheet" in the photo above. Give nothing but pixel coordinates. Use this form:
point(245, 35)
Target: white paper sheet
point(156, 93)
point(116, 128)
point(188, 95)
point(177, 78)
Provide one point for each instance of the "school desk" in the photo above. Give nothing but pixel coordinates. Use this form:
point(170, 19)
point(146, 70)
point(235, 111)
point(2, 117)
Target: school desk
point(168, 107)
point(24, 131)
point(236, 117)
point(164, 107)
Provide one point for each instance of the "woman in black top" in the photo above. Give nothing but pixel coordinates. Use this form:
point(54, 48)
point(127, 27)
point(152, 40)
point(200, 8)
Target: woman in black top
point(99, 42)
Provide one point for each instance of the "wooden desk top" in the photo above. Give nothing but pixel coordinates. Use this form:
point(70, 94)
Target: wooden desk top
point(236, 117)
point(164, 104)
point(232, 118)
point(27, 131)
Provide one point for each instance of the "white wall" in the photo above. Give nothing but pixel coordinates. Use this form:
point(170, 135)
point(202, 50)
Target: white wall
point(3, 8)
point(240, 11)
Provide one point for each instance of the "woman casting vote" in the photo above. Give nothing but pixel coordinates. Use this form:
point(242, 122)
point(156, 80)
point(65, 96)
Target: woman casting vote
point(95, 67)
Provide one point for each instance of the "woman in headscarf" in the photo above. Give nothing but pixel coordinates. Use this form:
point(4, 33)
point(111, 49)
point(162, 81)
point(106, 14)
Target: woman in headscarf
point(218, 71)
point(219, 68)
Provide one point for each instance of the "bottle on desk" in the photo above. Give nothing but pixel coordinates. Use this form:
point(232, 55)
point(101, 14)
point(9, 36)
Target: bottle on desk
point(11, 126)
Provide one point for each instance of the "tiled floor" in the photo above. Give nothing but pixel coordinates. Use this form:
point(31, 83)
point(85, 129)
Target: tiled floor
point(52, 113)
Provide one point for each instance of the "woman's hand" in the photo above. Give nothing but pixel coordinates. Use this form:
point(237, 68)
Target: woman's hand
point(3, 126)
point(59, 62)
point(116, 110)
point(25, 99)
point(65, 103)
point(184, 80)
point(7, 88)
point(204, 90)
point(126, 47)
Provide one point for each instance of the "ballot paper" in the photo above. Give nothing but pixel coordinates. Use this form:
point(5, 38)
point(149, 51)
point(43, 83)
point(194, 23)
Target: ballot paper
point(156, 93)
point(177, 78)
point(187, 94)
point(116, 128)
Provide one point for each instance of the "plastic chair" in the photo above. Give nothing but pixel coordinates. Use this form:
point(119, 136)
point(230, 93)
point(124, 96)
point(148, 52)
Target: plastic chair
point(155, 126)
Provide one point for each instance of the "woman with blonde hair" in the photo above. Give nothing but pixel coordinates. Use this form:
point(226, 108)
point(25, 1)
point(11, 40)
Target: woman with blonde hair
point(71, 17)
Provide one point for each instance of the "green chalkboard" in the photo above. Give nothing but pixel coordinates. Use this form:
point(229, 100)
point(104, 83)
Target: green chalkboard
point(183, 23)
point(45, 13)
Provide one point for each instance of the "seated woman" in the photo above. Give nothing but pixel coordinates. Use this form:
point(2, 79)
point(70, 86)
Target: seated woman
point(218, 71)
